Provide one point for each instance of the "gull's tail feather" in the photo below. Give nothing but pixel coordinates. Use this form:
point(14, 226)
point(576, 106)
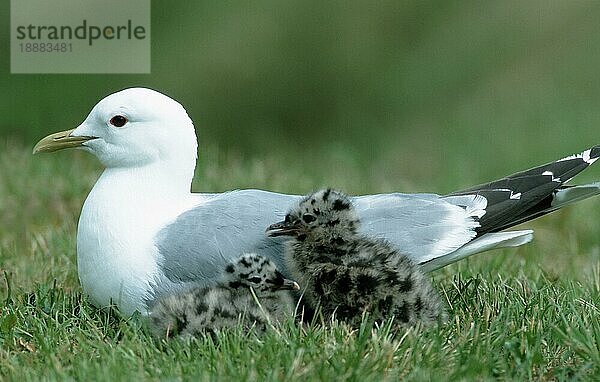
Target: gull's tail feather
point(529, 194)
point(571, 194)
point(484, 243)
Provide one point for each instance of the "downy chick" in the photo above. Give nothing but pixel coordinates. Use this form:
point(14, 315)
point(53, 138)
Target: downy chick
point(346, 273)
point(205, 310)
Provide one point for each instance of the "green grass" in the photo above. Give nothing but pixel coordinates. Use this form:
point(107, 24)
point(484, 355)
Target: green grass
point(531, 313)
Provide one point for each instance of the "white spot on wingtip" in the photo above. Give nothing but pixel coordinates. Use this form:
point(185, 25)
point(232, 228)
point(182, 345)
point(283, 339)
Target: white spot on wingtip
point(513, 195)
point(550, 173)
point(586, 156)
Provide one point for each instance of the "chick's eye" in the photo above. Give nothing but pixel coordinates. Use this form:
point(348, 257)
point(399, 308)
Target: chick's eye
point(308, 218)
point(118, 121)
point(255, 279)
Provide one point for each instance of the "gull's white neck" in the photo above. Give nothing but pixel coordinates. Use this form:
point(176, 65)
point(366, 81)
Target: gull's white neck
point(116, 255)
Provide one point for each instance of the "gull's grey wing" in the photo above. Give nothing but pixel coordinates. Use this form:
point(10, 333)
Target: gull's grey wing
point(422, 226)
point(197, 246)
point(200, 242)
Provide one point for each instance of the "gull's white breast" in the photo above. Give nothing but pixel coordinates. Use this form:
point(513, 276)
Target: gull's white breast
point(116, 254)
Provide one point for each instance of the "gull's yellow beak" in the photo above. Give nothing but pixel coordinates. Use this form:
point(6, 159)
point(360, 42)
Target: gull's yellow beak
point(59, 141)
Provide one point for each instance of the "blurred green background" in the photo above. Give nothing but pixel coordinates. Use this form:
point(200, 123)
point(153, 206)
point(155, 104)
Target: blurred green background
point(365, 96)
point(430, 95)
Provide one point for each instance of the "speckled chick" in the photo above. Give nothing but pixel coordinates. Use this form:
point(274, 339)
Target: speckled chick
point(347, 273)
point(201, 311)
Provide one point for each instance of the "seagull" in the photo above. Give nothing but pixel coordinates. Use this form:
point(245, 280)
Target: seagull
point(347, 274)
point(142, 233)
point(199, 311)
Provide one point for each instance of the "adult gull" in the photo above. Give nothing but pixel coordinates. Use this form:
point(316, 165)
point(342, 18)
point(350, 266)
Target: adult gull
point(142, 233)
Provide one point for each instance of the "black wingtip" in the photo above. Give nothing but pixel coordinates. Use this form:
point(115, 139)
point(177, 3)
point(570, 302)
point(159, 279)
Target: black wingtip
point(535, 189)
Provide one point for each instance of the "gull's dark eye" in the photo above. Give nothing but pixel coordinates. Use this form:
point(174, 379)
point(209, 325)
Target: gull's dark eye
point(118, 121)
point(308, 218)
point(288, 218)
point(255, 280)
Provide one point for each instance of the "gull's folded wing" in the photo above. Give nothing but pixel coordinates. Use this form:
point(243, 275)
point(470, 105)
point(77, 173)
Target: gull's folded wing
point(196, 246)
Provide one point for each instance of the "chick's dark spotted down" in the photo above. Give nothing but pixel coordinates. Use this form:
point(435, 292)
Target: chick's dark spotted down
point(346, 273)
point(200, 311)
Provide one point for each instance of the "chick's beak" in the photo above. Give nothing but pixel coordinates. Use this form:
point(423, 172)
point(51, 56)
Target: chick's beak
point(281, 283)
point(290, 285)
point(59, 141)
point(283, 229)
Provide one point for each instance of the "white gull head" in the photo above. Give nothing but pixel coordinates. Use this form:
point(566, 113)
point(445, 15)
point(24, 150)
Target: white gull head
point(138, 127)
point(148, 145)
